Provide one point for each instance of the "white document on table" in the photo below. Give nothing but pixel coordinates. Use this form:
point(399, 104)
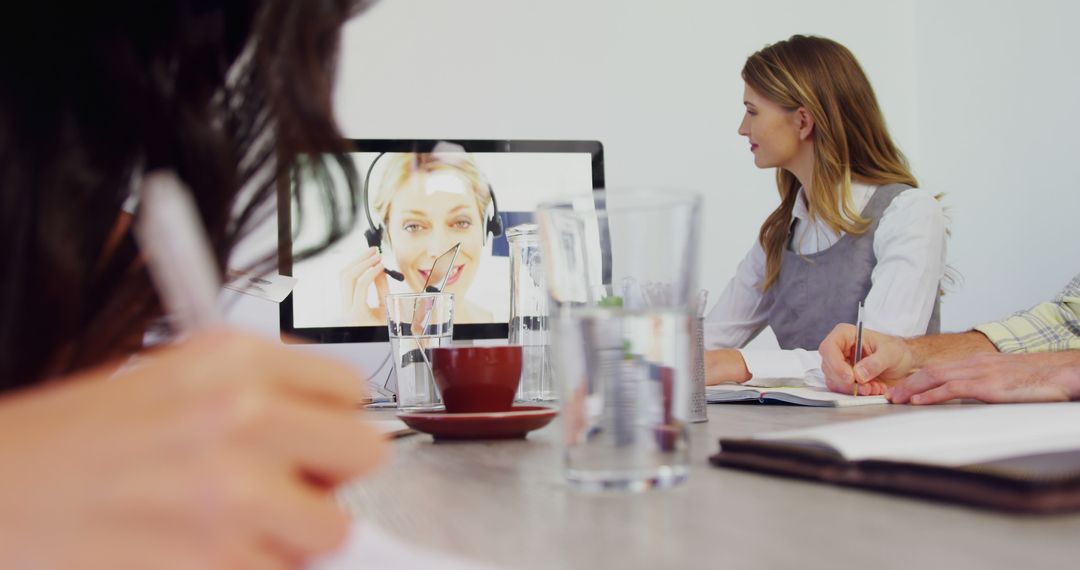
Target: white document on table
point(368, 546)
point(949, 436)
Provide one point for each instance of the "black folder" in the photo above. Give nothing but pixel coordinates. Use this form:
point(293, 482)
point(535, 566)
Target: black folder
point(1040, 483)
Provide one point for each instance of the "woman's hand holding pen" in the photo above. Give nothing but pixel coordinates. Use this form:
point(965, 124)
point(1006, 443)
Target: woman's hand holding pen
point(356, 280)
point(220, 452)
point(885, 360)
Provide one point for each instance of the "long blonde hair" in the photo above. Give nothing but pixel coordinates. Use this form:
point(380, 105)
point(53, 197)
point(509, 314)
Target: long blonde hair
point(849, 135)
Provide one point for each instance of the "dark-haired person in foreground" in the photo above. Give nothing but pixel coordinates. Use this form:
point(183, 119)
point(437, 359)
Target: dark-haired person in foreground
point(221, 451)
point(1032, 356)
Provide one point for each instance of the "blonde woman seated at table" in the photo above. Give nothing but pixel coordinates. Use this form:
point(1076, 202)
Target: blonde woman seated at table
point(851, 225)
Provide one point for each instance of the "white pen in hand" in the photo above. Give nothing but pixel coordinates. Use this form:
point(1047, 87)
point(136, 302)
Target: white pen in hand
point(173, 242)
point(858, 349)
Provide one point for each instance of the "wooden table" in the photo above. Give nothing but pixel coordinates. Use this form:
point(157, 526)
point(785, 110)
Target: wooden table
point(505, 503)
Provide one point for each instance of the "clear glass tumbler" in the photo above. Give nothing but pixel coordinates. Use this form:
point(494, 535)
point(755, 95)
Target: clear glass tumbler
point(528, 314)
point(418, 322)
point(621, 275)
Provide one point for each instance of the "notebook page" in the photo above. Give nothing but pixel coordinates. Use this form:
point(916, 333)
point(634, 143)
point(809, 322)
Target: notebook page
point(826, 395)
point(730, 393)
point(951, 437)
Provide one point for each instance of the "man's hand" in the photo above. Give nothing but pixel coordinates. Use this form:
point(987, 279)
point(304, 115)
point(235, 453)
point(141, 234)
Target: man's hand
point(995, 378)
point(886, 360)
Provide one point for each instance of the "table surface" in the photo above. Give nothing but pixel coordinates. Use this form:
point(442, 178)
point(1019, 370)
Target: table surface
point(505, 503)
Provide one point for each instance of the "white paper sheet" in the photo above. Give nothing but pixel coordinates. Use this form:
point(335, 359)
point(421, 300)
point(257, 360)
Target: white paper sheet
point(369, 547)
point(270, 287)
point(952, 436)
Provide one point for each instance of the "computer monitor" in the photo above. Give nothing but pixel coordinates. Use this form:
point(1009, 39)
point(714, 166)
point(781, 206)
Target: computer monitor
point(418, 199)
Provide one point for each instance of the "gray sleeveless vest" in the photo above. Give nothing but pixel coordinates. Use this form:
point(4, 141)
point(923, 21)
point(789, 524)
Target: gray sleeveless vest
point(815, 292)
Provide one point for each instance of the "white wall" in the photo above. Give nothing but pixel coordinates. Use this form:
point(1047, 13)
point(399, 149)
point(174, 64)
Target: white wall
point(998, 91)
point(657, 82)
point(980, 96)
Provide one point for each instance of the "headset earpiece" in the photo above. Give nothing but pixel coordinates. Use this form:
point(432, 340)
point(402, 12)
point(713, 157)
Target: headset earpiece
point(494, 223)
point(373, 236)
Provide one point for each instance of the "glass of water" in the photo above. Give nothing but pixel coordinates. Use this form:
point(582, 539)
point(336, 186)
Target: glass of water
point(528, 314)
point(621, 271)
point(418, 322)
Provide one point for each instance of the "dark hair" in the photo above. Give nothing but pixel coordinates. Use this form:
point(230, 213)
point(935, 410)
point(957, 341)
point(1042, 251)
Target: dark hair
point(225, 93)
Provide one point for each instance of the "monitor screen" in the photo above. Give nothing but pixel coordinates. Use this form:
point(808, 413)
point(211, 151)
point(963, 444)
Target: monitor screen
point(419, 199)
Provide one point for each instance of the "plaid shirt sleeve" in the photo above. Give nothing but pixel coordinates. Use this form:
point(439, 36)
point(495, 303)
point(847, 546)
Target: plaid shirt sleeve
point(1046, 327)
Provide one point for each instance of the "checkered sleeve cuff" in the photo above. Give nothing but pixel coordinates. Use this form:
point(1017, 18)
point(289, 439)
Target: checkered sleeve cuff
point(1046, 327)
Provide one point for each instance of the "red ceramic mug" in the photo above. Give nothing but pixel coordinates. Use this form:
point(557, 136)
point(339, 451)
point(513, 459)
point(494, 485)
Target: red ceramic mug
point(477, 378)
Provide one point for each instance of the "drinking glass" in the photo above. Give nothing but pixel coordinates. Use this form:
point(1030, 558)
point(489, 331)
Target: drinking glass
point(528, 314)
point(621, 274)
point(418, 322)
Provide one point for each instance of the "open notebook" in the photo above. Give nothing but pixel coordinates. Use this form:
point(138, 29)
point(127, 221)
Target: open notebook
point(799, 395)
point(1023, 457)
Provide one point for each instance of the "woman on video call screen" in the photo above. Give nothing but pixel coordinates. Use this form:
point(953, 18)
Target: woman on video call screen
point(424, 204)
point(421, 205)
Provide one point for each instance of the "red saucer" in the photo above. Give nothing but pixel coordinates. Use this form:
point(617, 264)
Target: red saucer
point(482, 425)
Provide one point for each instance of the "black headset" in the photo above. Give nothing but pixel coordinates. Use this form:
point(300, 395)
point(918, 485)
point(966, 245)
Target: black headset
point(374, 233)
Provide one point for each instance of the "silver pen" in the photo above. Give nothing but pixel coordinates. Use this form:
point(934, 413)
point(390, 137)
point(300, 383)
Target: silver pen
point(858, 349)
point(173, 242)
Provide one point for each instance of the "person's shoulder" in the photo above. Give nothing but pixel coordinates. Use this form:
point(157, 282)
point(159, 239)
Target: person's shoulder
point(916, 201)
point(915, 211)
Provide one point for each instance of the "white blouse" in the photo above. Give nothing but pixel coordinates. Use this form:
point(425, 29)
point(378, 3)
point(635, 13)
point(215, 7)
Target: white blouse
point(910, 248)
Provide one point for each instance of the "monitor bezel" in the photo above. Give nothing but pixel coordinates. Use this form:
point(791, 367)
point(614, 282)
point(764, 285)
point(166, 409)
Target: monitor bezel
point(350, 334)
